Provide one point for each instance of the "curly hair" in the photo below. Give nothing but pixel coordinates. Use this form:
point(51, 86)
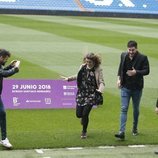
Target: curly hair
point(94, 57)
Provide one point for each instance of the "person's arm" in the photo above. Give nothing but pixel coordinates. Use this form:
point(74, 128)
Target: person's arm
point(11, 65)
point(118, 82)
point(71, 78)
point(101, 81)
point(10, 72)
point(119, 73)
point(146, 68)
point(119, 69)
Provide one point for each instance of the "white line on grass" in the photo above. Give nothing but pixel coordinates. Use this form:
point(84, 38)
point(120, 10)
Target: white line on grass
point(75, 148)
point(136, 146)
point(106, 147)
point(39, 151)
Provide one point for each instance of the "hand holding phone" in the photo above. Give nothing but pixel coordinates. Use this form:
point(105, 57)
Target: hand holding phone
point(17, 64)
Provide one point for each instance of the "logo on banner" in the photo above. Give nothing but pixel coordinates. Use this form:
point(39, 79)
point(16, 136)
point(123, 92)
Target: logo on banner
point(15, 101)
point(48, 100)
point(69, 87)
point(33, 101)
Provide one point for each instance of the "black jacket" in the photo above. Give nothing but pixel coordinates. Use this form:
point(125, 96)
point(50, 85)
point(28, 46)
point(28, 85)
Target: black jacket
point(141, 65)
point(6, 72)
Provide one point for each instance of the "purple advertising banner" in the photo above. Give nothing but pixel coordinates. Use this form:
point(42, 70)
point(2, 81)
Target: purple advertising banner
point(38, 94)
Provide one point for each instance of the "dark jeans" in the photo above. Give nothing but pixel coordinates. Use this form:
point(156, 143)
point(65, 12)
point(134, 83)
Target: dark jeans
point(2, 120)
point(83, 113)
point(126, 95)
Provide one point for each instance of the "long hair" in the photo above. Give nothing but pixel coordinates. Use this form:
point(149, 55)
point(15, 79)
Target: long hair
point(94, 57)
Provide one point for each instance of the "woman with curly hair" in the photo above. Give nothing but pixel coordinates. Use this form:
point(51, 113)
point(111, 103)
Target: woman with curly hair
point(90, 83)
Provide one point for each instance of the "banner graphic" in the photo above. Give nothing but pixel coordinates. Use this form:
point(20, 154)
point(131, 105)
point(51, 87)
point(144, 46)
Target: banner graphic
point(38, 94)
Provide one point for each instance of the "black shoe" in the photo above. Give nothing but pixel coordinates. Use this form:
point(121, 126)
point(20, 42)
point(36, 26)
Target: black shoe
point(135, 132)
point(156, 152)
point(83, 135)
point(120, 135)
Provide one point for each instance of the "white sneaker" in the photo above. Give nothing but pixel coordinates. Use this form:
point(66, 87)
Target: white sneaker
point(6, 143)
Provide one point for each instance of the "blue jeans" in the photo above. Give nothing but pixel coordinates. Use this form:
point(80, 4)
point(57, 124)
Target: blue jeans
point(126, 94)
point(2, 120)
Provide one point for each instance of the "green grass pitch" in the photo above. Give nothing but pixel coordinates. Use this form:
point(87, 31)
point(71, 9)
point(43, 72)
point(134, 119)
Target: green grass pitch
point(50, 46)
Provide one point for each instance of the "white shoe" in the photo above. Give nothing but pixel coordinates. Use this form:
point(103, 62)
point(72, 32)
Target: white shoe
point(6, 143)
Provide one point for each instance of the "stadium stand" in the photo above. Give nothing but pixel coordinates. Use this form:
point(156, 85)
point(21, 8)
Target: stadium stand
point(39, 4)
point(92, 6)
point(124, 6)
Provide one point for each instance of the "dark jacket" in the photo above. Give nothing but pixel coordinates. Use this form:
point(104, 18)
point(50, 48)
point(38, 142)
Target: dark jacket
point(98, 75)
point(6, 72)
point(141, 65)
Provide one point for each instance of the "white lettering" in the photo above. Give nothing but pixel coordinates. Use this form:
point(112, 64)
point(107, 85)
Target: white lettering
point(127, 3)
point(44, 86)
point(69, 93)
point(28, 87)
point(15, 86)
point(101, 2)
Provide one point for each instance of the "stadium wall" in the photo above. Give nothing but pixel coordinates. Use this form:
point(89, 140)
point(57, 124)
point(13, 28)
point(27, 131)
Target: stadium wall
point(77, 13)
